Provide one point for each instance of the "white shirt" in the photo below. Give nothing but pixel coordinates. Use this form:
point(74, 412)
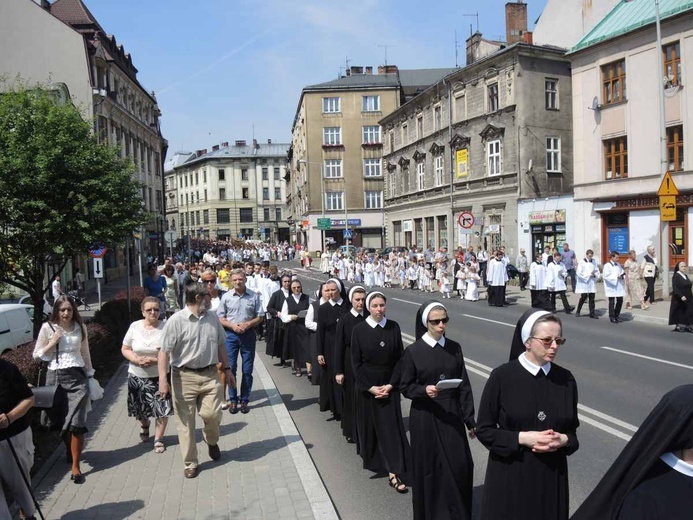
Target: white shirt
point(531, 367)
point(284, 313)
point(431, 342)
point(374, 323)
point(311, 324)
point(144, 342)
point(73, 349)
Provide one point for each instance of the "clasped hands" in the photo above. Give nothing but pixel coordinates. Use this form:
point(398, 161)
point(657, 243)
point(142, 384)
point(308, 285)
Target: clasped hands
point(239, 328)
point(381, 392)
point(543, 442)
point(145, 361)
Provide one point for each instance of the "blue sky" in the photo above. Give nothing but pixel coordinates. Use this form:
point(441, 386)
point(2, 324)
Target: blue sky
point(220, 67)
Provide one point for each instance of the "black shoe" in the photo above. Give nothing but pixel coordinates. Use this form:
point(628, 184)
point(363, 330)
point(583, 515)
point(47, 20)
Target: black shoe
point(244, 407)
point(577, 314)
point(613, 320)
point(77, 478)
point(594, 316)
point(233, 407)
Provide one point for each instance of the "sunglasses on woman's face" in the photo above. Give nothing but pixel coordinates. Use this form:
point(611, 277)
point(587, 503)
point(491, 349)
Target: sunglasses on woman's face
point(439, 321)
point(152, 309)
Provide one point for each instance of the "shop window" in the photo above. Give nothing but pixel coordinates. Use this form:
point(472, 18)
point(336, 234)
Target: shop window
point(442, 231)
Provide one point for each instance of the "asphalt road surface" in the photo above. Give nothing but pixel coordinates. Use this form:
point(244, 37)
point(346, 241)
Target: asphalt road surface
point(621, 370)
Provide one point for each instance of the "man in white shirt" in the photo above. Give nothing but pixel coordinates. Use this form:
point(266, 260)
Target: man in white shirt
point(614, 286)
point(537, 284)
point(56, 288)
point(586, 286)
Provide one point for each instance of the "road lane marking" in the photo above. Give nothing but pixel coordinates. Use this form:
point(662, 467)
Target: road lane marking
point(405, 301)
point(648, 358)
point(606, 417)
point(604, 427)
point(486, 319)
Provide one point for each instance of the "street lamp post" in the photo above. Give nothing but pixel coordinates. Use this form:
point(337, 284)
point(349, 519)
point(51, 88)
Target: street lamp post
point(322, 195)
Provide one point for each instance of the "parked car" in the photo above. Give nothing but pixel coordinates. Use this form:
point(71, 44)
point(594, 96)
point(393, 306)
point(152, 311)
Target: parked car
point(16, 325)
point(47, 307)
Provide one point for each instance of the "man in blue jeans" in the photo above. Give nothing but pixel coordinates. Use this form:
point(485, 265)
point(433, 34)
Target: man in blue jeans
point(240, 311)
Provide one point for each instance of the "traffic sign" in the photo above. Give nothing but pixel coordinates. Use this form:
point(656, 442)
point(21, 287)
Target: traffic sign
point(170, 236)
point(667, 187)
point(348, 234)
point(97, 251)
point(324, 223)
point(667, 208)
point(98, 267)
point(465, 220)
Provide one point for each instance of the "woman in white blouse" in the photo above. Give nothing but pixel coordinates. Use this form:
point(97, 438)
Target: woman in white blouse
point(63, 343)
point(140, 347)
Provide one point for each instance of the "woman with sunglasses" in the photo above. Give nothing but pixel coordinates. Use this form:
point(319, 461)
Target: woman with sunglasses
point(376, 349)
point(443, 469)
point(141, 348)
point(528, 421)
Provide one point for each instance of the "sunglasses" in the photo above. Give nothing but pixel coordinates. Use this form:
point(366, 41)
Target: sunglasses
point(209, 281)
point(153, 309)
point(548, 341)
point(439, 321)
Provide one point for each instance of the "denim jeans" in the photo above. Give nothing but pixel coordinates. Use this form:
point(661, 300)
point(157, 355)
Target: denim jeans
point(245, 344)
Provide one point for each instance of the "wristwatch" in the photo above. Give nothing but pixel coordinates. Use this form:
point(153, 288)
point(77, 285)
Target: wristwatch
point(224, 369)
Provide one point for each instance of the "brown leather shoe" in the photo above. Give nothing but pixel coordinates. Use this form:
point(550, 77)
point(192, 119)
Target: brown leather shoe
point(244, 407)
point(190, 472)
point(214, 452)
point(233, 407)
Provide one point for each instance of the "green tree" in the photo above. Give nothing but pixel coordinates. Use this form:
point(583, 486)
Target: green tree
point(60, 190)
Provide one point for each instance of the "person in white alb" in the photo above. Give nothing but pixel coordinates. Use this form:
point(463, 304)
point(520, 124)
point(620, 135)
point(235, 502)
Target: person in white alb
point(556, 274)
point(586, 286)
point(614, 286)
point(537, 284)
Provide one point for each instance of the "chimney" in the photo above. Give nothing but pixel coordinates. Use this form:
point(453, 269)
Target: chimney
point(215, 147)
point(356, 70)
point(387, 69)
point(515, 21)
point(198, 153)
point(528, 38)
point(204, 151)
point(369, 70)
point(255, 145)
point(269, 141)
point(240, 142)
point(225, 144)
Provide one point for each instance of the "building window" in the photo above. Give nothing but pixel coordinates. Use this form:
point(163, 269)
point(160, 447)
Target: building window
point(246, 214)
point(333, 168)
point(372, 168)
point(223, 216)
point(205, 194)
point(197, 178)
point(374, 199)
point(460, 112)
point(553, 154)
point(614, 81)
point(438, 166)
point(222, 193)
point(277, 193)
point(245, 193)
point(265, 173)
point(334, 200)
point(332, 135)
point(205, 216)
point(419, 127)
point(277, 173)
point(672, 63)
point(438, 117)
point(331, 105)
point(675, 148)
point(371, 134)
point(420, 175)
point(222, 175)
point(493, 155)
point(391, 141)
point(204, 174)
point(551, 93)
point(265, 193)
point(616, 158)
point(405, 134)
point(277, 214)
point(492, 90)
point(371, 103)
point(244, 174)
point(266, 214)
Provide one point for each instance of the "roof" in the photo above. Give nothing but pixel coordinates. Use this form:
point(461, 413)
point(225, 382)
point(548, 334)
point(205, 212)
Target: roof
point(241, 152)
point(73, 12)
point(358, 81)
point(177, 159)
point(626, 17)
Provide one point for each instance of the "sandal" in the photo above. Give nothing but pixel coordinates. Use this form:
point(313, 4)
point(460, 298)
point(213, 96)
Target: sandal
point(144, 432)
point(396, 483)
point(297, 372)
point(159, 446)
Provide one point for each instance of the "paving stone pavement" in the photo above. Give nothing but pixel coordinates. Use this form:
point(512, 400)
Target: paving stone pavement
point(264, 472)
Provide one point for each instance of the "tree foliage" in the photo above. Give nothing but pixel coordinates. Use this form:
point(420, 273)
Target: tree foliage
point(60, 189)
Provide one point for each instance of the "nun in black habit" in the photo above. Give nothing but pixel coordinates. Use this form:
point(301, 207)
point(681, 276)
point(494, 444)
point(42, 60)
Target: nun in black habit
point(652, 478)
point(314, 369)
point(295, 332)
point(528, 421)
point(376, 349)
point(329, 315)
point(276, 346)
point(442, 465)
point(343, 368)
point(681, 309)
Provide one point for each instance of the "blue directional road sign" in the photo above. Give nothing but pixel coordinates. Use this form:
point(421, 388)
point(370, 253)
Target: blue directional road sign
point(348, 234)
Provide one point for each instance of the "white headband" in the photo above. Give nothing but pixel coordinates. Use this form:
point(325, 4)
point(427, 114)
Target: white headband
point(427, 311)
point(527, 327)
point(336, 282)
point(371, 296)
point(354, 288)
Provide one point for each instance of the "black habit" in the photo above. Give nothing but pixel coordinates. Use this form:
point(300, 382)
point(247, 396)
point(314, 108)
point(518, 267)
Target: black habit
point(681, 312)
point(275, 328)
point(375, 354)
point(443, 469)
point(521, 484)
point(329, 315)
point(296, 336)
point(313, 338)
point(343, 365)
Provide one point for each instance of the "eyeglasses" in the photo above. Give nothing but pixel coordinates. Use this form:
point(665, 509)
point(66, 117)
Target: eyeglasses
point(209, 281)
point(439, 321)
point(153, 309)
point(547, 342)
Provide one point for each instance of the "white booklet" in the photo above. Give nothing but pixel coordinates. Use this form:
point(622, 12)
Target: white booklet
point(447, 384)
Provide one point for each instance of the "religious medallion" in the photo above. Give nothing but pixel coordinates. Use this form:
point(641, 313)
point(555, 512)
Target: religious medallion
point(382, 343)
point(541, 416)
point(442, 376)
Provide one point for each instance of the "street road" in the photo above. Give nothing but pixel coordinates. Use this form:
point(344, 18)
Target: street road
point(621, 370)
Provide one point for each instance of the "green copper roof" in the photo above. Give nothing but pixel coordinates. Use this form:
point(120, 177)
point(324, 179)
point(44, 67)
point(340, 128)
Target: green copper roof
point(629, 16)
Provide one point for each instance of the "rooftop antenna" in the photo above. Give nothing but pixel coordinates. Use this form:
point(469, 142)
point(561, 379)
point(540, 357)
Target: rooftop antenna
point(473, 15)
point(385, 47)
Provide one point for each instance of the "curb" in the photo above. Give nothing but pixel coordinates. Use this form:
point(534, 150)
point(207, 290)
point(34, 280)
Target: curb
point(320, 501)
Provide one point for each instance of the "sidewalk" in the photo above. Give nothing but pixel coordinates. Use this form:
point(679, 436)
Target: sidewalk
point(265, 470)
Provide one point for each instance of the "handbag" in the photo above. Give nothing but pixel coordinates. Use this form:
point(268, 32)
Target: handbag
point(44, 396)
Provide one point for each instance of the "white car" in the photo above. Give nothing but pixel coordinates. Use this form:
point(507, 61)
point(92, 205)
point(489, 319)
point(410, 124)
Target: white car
point(16, 325)
point(47, 307)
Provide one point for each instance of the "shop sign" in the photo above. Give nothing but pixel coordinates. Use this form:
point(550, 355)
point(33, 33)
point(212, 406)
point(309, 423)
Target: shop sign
point(340, 222)
point(547, 217)
point(618, 239)
point(406, 225)
point(462, 157)
point(494, 228)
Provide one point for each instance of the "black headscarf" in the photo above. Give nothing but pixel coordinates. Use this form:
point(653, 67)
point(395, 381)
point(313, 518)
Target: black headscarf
point(517, 347)
point(669, 427)
point(421, 325)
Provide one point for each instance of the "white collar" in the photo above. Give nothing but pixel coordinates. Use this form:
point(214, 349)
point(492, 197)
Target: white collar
point(297, 297)
point(682, 274)
point(355, 313)
point(374, 323)
point(338, 302)
point(286, 293)
point(531, 367)
point(677, 464)
point(428, 339)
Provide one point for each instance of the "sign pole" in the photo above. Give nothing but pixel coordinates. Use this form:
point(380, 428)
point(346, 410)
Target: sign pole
point(98, 289)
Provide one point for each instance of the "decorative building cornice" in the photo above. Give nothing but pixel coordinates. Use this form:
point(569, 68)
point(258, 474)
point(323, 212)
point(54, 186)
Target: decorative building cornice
point(436, 148)
point(419, 155)
point(459, 141)
point(403, 162)
point(492, 132)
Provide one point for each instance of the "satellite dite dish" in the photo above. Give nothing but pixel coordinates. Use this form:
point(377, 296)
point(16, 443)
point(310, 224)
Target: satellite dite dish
point(530, 165)
point(595, 104)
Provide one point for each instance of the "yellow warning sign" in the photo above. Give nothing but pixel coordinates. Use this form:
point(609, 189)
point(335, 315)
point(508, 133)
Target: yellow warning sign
point(667, 187)
point(667, 208)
